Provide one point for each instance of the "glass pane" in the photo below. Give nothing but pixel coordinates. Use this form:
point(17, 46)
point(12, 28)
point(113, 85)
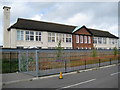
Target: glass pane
point(27, 32)
point(27, 37)
point(32, 33)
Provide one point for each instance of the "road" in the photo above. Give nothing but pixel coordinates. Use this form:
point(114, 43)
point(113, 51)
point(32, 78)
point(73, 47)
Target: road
point(101, 78)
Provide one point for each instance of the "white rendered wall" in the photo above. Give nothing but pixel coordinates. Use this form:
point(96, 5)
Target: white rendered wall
point(107, 45)
point(43, 43)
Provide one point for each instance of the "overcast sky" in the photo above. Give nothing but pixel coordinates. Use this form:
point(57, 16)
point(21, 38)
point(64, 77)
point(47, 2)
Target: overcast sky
point(98, 15)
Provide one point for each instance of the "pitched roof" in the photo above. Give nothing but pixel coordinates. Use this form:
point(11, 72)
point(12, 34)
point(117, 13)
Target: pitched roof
point(101, 33)
point(27, 24)
point(42, 26)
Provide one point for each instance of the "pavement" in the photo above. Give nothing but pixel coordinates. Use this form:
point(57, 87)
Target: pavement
point(100, 77)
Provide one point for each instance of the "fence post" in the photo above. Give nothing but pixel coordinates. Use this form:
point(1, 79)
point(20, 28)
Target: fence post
point(27, 59)
point(65, 66)
point(110, 61)
point(19, 61)
point(37, 67)
point(99, 62)
point(10, 62)
point(85, 63)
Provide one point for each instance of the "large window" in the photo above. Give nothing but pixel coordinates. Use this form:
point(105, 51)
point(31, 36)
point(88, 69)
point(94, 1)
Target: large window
point(113, 41)
point(38, 36)
point(20, 35)
point(104, 40)
point(68, 38)
point(110, 40)
point(29, 35)
point(95, 40)
point(58, 37)
point(51, 37)
point(62, 37)
point(89, 39)
point(77, 38)
point(99, 40)
point(81, 39)
point(85, 39)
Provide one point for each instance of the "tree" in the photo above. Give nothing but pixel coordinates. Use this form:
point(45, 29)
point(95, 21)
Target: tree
point(115, 51)
point(94, 52)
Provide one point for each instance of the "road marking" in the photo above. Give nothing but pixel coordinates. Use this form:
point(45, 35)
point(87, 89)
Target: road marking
point(114, 73)
point(77, 84)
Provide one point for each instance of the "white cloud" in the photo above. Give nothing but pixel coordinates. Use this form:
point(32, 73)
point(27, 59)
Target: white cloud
point(94, 15)
point(37, 17)
point(80, 19)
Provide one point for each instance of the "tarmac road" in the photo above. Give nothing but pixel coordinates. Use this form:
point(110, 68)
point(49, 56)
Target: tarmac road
point(101, 78)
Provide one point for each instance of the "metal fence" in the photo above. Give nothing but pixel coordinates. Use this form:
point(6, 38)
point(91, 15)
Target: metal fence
point(46, 62)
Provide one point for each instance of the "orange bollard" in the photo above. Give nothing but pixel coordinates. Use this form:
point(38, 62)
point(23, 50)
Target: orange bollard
point(60, 77)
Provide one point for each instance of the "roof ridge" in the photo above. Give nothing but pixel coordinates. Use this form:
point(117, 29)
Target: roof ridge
point(47, 22)
point(98, 30)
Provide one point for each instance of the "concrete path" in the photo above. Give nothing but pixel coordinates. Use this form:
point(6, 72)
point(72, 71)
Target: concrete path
point(12, 77)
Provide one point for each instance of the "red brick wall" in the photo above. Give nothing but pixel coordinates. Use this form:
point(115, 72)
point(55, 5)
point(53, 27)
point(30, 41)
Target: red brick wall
point(83, 32)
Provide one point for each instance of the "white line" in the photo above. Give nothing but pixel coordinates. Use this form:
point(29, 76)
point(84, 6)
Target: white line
point(79, 83)
point(114, 73)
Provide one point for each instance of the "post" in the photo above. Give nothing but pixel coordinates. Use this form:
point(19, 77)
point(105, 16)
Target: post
point(27, 59)
point(110, 61)
point(65, 66)
point(37, 67)
point(85, 63)
point(99, 62)
point(10, 62)
point(19, 61)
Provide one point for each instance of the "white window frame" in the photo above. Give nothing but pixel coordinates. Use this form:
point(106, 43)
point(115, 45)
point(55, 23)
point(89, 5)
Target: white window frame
point(104, 41)
point(85, 39)
point(37, 36)
point(77, 38)
point(95, 40)
point(29, 35)
point(20, 35)
point(99, 40)
point(113, 41)
point(81, 39)
point(68, 38)
point(89, 39)
point(51, 37)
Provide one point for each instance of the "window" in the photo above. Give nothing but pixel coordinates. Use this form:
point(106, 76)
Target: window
point(29, 35)
point(104, 40)
point(38, 36)
point(51, 37)
point(58, 37)
point(89, 39)
point(113, 41)
point(77, 38)
point(81, 39)
point(110, 41)
point(95, 40)
point(62, 37)
point(20, 35)
point(99, 40)
point(85, 39)
point(68, 38)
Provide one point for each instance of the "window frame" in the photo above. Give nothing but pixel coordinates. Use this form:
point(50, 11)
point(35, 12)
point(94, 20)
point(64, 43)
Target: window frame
point(77, 38)
point(20, 35)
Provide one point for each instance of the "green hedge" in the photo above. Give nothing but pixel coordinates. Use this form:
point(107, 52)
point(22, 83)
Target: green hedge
point(9, 66)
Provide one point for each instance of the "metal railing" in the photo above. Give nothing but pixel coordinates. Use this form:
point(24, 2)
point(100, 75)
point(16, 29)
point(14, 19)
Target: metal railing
point(46, 62)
